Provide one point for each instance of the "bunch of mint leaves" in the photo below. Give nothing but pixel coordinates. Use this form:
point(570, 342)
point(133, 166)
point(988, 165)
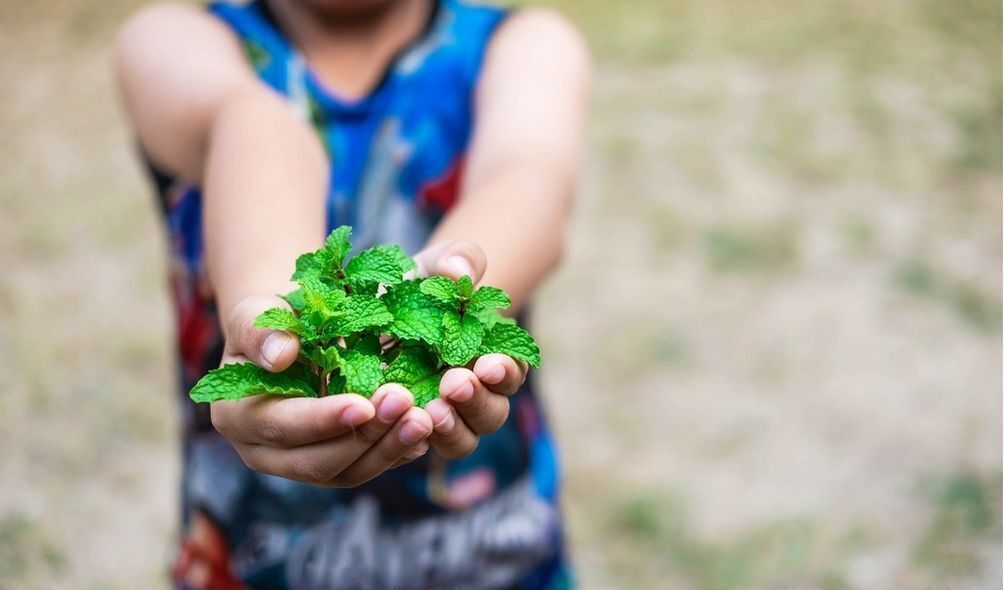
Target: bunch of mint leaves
point(361, 324)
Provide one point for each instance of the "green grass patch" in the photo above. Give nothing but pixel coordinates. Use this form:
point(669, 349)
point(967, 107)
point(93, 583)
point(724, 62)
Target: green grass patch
point(657, 533)
point(764, 247)
point(969, 302)
point(967, 512)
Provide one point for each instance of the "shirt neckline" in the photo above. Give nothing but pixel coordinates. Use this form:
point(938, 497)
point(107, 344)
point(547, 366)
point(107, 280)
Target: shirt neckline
point(326, 96)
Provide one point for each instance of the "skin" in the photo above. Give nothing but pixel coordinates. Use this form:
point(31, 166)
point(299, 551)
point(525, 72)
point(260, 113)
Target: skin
point(201, 114)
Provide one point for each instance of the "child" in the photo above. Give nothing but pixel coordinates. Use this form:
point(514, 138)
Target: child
point(450, 128)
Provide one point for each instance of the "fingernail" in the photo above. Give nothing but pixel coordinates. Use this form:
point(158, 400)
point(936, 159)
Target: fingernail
point(274, 344)
point(392, 406)
point(354, 416)
point(463, 393)
point(494, 375)
point(459, 265)
point(447, 424)
point(411, 432)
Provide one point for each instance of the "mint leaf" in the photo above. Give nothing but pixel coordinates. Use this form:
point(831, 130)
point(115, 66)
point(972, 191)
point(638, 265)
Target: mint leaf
point(414, 363)
point(417, 316)
point(511, 340)
point(464, 287)
point(490, 316)
point(328, 358)
point(461, 338)
point(441, 288)
point(361, 371)
point(295, 300)
point(340, 320)
point(337, 247)
point(336, 384)
point(309, 265)
point(375, 266)
point(418, 369)
point(239, 380)
point(278, 318)
point(405, 262)
point(426, 390)
point(327, 260)
point(488, 298)
point(355, 314)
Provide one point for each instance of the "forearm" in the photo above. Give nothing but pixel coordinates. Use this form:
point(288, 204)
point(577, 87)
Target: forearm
point(265, 181)
point(523, 162)
point(519, 219)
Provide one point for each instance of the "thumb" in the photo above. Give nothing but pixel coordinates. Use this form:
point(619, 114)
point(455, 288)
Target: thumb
point(273, 350)
point(453, 259)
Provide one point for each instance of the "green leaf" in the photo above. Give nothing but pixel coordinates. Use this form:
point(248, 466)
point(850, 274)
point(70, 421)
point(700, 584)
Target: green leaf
point(327, 357)
point(237, 381)
point(355, 314)
point(278, 318)
point(426, 390)
point(511, 340)
point(461, 338)
point(315, 294)
point(417, 316)
point(337, 246)
point(375, 266)
point(324, 262)
point(308, 265)
point(490, 316)
point(295, 300)
point(464, 287)
point(320, 301)
point(488, 298)
point(418, 369)
point(441, 288)
point(336, 384)
point(413, 364)
point(404, 261)
point(361, 371)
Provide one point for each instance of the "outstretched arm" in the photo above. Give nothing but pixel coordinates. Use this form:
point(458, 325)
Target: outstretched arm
point(202, 115)
point(516, 196)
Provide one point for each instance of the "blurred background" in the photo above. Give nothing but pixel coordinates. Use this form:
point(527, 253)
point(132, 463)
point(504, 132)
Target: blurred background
point(773, 353)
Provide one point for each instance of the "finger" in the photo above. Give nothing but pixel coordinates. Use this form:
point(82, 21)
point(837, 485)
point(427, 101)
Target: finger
point(286, 422)
point(273, 350)
point(391, 402)
point(324, 462)
point(500, 373)
point(413, 428)
point(482, 410)
point(417, 452)
point(451, 437)
point(452, 259)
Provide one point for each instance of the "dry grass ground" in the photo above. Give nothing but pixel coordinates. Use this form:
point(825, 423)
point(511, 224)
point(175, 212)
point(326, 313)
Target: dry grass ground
point(773, 351)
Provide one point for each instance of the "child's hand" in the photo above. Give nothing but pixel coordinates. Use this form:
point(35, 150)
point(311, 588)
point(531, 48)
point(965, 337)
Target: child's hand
point(338, 440)
point(473, 401)
point(345, 440)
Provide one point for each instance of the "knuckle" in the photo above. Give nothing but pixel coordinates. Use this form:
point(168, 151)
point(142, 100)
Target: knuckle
point(272, 433)
point(370, 434)
point(246, 453)
point(388, 454)
point(493, 420)
point(310, 470)
point(220, 421)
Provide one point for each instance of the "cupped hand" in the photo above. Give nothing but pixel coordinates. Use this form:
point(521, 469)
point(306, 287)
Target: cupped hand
point(473, 401)
point(337, 440)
